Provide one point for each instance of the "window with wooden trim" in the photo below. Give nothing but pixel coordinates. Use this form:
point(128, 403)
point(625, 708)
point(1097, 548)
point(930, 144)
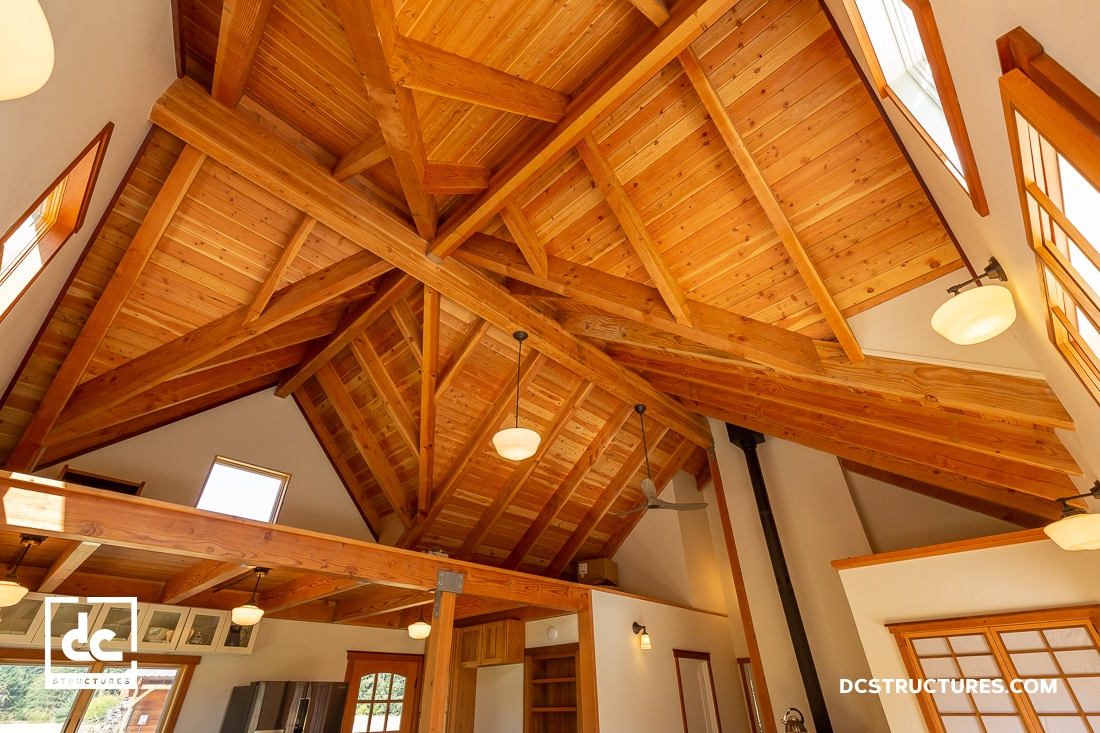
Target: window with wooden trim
point(243, 490)
point(902, 45)
point(1054, 129)
point(1034, 671)
point(29, 245)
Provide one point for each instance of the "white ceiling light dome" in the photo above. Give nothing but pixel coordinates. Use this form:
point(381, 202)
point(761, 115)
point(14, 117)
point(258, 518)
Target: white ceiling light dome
point(975, 315)
point(26, 48)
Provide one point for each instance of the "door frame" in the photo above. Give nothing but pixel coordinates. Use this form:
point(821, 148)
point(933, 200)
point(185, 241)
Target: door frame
point(677, 655)
point(355, 658)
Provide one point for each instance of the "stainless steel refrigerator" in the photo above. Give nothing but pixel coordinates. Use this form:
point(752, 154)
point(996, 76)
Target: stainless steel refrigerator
point(286, 707)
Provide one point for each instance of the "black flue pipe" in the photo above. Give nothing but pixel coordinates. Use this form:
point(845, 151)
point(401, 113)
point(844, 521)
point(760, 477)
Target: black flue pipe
point(747, 440)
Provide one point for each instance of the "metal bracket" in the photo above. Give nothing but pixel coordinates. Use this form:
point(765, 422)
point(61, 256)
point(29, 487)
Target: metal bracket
point(446, 582)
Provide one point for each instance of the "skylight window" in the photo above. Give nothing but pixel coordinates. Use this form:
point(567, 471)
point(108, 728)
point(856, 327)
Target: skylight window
point(907, 62)
point(243, 490)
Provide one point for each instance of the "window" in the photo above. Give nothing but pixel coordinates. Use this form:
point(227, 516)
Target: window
point(908, 65)
point(1047, 664)
point(1056, 154)
point(382, 692)
point(243, 490)
point(28, 246)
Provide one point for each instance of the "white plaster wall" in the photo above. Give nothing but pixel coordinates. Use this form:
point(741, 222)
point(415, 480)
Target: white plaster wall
point(700, 552)
point(652, 561)
point(260, 429)
point(637, 688)
point(285, 650)
point(994, 580)
point(817, 523)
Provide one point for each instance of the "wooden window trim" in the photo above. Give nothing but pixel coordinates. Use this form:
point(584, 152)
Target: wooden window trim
point(78, 181)
point(968, 177)
point(744, 666)
point(283, 476)
point(677, 655)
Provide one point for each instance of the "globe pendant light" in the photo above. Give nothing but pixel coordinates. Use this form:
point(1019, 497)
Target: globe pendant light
point(976, 315)
point(1077, 529)
point(250, 614)
point(11, 591)
point(420, 629)
point(26, 48)
point(516, 444)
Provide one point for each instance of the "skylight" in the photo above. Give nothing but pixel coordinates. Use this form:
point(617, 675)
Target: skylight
point(243, 490)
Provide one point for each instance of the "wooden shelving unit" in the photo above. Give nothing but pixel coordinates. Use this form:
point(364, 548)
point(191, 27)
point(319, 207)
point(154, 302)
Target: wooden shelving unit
point(550, 690)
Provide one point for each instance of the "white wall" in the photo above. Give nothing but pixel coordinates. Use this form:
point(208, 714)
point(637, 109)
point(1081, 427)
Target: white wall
point(637, 688)
point(260, 429)
point(994, 580)
point(817, 523)
point(285, 650)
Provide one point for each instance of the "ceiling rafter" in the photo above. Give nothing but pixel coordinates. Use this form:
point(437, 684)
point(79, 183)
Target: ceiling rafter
point(302, 330)
point(242, 26)
point(655, 10)
point(461, 355)
point(379, 601)
point(768, 201)
point(365, 155)
point(410, 327)
point(383, 385)
point(202, 576)
point(305, 589)
point(279, 269)
point(27, 452)
point(442, 177)
point(549, 512)
point(71, 558)
point(429, 374)
point(534, 251)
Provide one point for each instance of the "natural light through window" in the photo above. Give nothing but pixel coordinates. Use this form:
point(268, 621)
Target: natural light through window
point(243, 490)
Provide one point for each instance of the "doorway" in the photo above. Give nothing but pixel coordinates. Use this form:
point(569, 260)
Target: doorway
point(383, 692)
point(698, 699)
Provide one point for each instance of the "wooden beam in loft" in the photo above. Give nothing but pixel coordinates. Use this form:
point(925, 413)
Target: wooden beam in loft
point(420, 66)
point(66, 564)
point(242, 26)
point(377, 601)
point(410, 329)
point(56, 509)
point(655, 10)
point(275, 275)
point(302, 330)
point(305, 589)
point(205, 342)
point(631, 222)
point(201, 576)
point(27, 451)
point(526, 237)
point(461, 355)
point(733, 335)
point(383, 385)
point(391, 290)
point(429, 374)
point(768, 201)
point(445, 178)
point(523, 470)
point(687, 20)
point(363, 435)
point(372, 31)
point(474, 446)
point(187, 111)
point(573, 479)
point(363, 156)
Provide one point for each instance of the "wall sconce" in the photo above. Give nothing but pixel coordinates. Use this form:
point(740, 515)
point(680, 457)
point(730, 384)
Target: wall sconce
point(643, 640)
point(979, 314)
point(793, 724)
point(26, 48)
point(250, 614)
point(11, 590)
point(1077, 529)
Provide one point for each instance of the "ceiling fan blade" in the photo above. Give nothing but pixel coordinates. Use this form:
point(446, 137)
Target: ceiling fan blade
point(649, 491)
point(642, 508)
point(682, 507)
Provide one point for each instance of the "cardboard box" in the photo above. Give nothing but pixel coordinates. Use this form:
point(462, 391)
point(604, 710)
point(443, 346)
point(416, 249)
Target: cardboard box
point(600, 571)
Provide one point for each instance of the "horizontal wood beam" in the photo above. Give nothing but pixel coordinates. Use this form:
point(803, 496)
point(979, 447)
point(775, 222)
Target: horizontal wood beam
point(66, 564)
point(57, 509)
point(306, 589)
point(379, 601)
point(242, 26)
point(201, 576)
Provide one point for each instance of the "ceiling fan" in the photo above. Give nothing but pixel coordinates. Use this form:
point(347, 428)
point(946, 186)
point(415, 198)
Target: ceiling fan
point(649, 489)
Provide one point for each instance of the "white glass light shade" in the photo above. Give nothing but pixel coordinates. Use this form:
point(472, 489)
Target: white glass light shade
point(26, 48)
point(975, 315)
point(516, 444)
point(420, 629)
point(247, 615)
point(11, 593)
point(1079, 532)
point(644, 641)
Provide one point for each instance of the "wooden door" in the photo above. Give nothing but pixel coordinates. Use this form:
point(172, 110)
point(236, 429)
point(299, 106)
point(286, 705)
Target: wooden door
point(383, 692)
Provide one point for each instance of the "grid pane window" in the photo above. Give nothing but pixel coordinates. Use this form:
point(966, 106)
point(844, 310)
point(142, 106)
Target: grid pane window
point(122, 711)
point(380, 703)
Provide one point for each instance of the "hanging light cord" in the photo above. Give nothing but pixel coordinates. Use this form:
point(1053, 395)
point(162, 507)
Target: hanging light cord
point(519, 360)
point(645, 448)
point(12, 568)
point(259, 574)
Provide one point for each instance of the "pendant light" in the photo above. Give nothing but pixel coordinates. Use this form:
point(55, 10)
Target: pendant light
point(26, 48)
point(1077, 529)
point(420, 629)
point(11, 591)
point(516, 444)
point(979, 314)
point(250, 614)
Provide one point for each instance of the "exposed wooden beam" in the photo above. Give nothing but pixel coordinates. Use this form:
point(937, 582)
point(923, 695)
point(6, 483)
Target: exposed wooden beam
point(57, 509)
point(423, 67)
point(205, 342)
point(461, 355)
point(378, 601)
point(655, 10)
point(1006, 514)
point(450, 178)
point(363, 156)
point(437, 667)
point(523, 470)
point(631, 222)
point(383, 385)
point(587, 694)
point(429, 374)
point(634, 68)
point(66, 564)
point(732, 335)
point(275, 275)
point(201, 576)
point(490, 423)
point(235, 140)
point(28, 450)
point(526, 237)
point(363, 436)
point(410, 328)
point(391, 290)
point(305, 589)
point(242, 27)
point(573, 479)
point(768, 201)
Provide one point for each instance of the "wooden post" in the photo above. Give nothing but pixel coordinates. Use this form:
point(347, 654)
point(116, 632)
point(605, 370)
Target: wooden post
point(437, 667)
point(586, 672)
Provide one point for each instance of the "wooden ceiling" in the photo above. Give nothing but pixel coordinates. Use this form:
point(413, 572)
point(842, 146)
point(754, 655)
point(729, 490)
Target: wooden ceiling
point(359, 202)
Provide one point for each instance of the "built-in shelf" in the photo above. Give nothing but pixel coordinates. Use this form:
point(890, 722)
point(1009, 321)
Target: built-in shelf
point(551, 695)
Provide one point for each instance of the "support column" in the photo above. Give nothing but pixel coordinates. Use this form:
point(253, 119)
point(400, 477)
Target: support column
point(586, 672)
point(437, 666)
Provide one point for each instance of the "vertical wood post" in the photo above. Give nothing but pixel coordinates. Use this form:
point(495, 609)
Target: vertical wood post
point(437, 667)
point(586, 672)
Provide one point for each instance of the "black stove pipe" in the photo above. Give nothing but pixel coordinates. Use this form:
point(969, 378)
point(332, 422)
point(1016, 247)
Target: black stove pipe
point(747, 440)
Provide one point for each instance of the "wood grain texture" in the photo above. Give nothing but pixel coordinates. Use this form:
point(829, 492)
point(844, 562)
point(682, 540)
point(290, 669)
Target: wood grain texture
point(242, 27)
